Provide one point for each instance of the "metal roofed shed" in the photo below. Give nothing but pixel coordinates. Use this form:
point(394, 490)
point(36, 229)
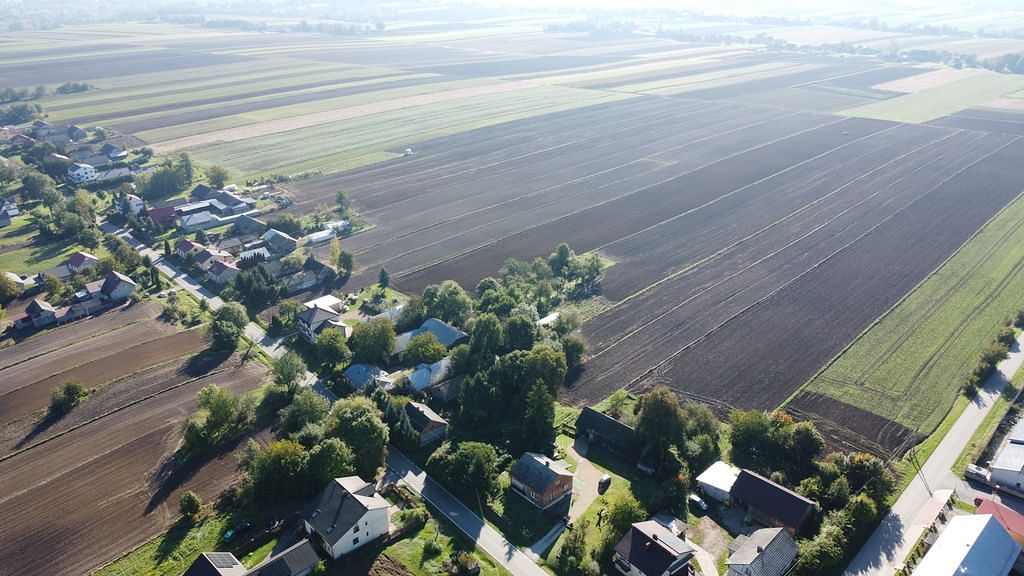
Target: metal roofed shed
point(717, 480)
point(1008, 467)
point(970, 545)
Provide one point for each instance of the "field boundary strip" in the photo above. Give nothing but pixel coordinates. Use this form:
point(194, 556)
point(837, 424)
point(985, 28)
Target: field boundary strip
point(863, 333)
point(64, 345)
point(114, 411)
point(818, 264)
point(450, 257)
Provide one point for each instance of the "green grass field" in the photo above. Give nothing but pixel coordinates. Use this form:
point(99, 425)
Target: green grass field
point(911, 364)
point(31, 257)
point(170, 553)
point(940, 101)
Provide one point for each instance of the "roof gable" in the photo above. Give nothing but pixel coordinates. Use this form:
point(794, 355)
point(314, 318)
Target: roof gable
point(652, 549)
point(340, 506)
point(774, 500)
point(537, 471)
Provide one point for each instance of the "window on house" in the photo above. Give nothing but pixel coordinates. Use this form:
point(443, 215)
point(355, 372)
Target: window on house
point(355, 541)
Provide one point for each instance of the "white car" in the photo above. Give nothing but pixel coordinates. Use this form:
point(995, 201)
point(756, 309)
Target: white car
point(699, 502)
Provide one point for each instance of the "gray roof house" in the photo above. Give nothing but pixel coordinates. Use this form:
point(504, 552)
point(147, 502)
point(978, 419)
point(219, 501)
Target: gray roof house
point(445, 333)
point(347, 515)
point(299, 559)
point(650, 549)
point(427, 375)
point(360, 376)
point(541, 480)
point(766, 552)
point(429, 424)
point(216, 564)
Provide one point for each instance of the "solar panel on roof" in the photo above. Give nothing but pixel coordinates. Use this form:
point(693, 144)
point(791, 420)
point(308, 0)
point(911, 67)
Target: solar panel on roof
point(222, 559)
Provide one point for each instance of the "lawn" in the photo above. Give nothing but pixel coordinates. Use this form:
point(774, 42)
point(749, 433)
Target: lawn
point(35, 255)
point(259, 555)
point(171, 553)
point(940, 101)
point(910, 365)
point(523, 524)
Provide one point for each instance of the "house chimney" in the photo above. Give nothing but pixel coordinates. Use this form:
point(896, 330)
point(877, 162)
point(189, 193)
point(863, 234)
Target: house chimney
point(547, 463)
point(654, 537)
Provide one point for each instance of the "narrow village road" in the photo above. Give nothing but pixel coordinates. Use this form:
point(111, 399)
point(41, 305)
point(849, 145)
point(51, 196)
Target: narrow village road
point(487, 539)
point(274, 347)
point(889, 545)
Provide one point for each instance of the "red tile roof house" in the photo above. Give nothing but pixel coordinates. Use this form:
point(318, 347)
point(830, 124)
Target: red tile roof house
point(541, 480)
point(162, 215)
point(186, 246)
point(80, 261)
point(1009, 519)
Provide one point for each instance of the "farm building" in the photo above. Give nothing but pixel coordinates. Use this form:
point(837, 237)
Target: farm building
point(427, 423)
point(603, 430)
point(320, 237)
point(249, 225)
point(1008, 466)
point(259, 253)
point(278, 242)
point(162, 215)
point(445, 333)
point(60, 272)
point(716, 482)
point(974, 544)
point(39, 313)
point(541, 480)
point(9, 207)
point(1011, 520)
point(113, 152)
point(347, 515)
point(5, 219)
point(427, 375)
point(197, 221)
point(766, 552)
point(18, 280)
point(650, 549)
point(771, 503)
point(360, 376)
point(448, 390)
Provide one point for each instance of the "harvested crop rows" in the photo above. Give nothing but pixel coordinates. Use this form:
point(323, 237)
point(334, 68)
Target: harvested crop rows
point(752, 245)
point(87, 496)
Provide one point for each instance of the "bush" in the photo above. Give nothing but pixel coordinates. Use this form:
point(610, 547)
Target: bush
point(66, 397)
point(431, 549)
point(190, 505)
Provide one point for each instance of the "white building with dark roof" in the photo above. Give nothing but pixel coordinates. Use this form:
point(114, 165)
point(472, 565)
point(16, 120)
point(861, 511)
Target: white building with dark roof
point(765, 552)
point(650, 549)
point(716, 482)
point(347, 515)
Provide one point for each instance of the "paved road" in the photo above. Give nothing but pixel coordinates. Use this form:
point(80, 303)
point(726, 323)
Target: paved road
point(895, 536)
point(486, 538)
point(273, 346)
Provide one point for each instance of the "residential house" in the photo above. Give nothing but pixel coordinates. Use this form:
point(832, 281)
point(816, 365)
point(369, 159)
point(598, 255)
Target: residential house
point(427, 375)
point(347, 515)
point(81, 173)
point(448, 390)
point(130, 204)
point(79, 261)
point(18, 280)
point(360, 376)
point(186, 247)
point(117, 287)
point(428, 424)
point(651, 549)
point(716, 482)
point(162, 215)
point(114, 153)
point(446, 334)
point(766, 552)
point(320, 237)
point(603, 430)
point(202, 191)
point(974, 544)
point(9, 207)
point(87, 155)
point(313, 273)
point(299, 559)
point(207, 256)
point(278, 242)
point(541, 480)
point(391, 314)
point(40, 313)
point(1008, 465)
point(771, 503)
point(320, 314)
point(222, 272)
point(22, 141)
point(216, 564)
point(76, 133)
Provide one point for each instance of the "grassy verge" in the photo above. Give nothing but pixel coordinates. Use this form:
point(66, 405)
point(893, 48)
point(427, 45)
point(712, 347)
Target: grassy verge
point(170, 553)
point(907, 467)
point(983, 435)
point(258, 555)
